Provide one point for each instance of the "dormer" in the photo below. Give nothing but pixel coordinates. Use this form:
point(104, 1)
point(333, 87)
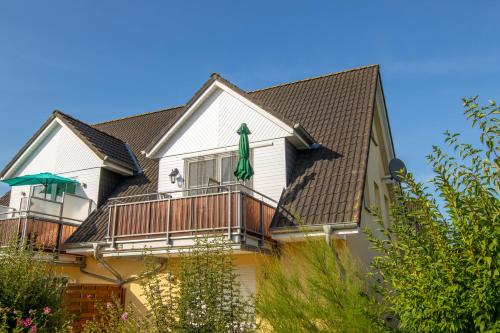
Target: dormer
point(202, 144)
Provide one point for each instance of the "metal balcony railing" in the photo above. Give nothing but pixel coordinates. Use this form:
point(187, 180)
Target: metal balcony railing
point(44, 223)
point(235, 210)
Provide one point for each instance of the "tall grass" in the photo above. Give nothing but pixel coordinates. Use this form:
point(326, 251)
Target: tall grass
point(313, 287)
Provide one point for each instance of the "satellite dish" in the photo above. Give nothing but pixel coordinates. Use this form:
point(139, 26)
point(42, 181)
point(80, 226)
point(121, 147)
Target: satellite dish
point(396, 167)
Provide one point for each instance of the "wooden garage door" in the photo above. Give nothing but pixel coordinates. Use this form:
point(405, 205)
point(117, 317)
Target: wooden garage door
point(80, 300)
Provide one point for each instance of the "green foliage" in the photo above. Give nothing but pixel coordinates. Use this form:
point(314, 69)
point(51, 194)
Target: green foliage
point(30, 292)
point(440, 262)
point(210, 298)
point(312, 287)
point(201, 294)
point(113, 318)
point(161, 292)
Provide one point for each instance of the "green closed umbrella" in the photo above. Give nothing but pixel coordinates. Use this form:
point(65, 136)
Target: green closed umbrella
point(45, 178)
point(243, 169)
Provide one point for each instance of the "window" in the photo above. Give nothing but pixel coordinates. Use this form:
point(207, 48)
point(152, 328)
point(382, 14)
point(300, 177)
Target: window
point(227, 172)
point(206, 170)
point(53, 192)
point(387, 209)
point(199, 172)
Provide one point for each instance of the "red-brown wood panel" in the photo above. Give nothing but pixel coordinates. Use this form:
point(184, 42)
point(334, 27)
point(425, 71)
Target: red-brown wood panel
point(81, 300)
point(8, 230)
point(188, 214)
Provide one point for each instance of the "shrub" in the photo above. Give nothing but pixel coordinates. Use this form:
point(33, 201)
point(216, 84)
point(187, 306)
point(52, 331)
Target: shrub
point(312, 287)
point(30, 291)
point(112, 317)
point(440, 262)
point(202, 294)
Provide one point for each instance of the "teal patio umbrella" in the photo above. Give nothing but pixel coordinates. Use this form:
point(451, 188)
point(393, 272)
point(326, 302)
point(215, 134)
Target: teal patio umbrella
point(243, 169)
point(45, 178)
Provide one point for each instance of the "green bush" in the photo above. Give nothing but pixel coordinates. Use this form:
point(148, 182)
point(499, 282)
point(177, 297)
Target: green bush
point(201, 294)
point(312, 287)
point(439, 263)
point(112, 317)
point(30, 292)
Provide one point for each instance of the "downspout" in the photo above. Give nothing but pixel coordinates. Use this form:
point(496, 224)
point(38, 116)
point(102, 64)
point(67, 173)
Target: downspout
point(328, 229)
point(119, 280)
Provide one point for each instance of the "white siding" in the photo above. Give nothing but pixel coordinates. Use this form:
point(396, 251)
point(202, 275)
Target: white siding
point(61, 152)
point(270, 169)
point(212, 128)
point(166, 166)
point(269, 164)
point(214, 124)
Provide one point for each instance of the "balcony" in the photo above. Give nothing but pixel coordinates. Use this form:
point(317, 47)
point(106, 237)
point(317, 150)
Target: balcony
point(173, 220)
point(44, 223)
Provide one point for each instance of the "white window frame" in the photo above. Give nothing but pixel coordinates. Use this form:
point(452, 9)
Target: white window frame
point(218, 167)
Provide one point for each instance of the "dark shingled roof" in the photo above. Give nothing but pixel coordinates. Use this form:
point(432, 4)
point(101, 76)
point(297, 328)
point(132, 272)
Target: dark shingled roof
point(103, 144)
point(5, 199)
point(327, 185)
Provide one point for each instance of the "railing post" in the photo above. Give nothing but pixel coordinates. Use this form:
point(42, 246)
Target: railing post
point(167, 227)
point(108, 233)
point(148, 211)
point(242, 223)
point(59, 237)
point(25, 231)
point(262, 222)
point(229, 213)
point(113, 208)
point(192, 224)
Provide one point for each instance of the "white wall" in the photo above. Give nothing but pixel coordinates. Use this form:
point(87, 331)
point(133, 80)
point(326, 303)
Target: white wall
point(214, 125)
point(212, 129)
point(61, 152)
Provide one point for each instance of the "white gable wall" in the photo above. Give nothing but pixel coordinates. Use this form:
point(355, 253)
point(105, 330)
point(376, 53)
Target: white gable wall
point(212, 129)
point(214, 124)
point(61, 152)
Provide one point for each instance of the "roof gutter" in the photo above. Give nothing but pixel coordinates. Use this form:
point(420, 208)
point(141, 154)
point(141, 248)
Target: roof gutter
point(298, 233)
point(303, 135)
point(310, 228)
point(117, 166)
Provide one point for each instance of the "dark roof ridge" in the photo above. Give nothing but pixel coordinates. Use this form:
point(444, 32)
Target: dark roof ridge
point(315, 77)
point(139, 114)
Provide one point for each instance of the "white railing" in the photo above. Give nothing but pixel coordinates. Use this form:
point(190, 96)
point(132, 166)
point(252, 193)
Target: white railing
point(72, 209)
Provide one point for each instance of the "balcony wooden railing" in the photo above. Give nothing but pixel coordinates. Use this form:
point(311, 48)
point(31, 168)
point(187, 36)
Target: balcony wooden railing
point(234, 210)
point(40, 233)
point(43, 223)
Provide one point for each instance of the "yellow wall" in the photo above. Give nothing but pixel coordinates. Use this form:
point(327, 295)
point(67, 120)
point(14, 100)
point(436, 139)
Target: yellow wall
point(247, 266)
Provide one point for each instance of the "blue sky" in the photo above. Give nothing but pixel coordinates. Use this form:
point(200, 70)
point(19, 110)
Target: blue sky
point(98, 60)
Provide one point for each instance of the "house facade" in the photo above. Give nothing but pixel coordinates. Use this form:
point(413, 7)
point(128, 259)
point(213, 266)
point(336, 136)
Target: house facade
point(320, 150)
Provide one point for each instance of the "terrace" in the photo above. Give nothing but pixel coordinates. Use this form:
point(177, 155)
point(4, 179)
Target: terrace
point(45, 223)
point(173, 220)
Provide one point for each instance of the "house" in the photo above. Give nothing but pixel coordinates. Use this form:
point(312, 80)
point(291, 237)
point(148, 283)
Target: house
point(320, 149)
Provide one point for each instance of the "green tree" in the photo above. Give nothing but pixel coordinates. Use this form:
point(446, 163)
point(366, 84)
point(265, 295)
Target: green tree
point(201, 294)
point(30, 291)
point(312, 287)
point(439, 258)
